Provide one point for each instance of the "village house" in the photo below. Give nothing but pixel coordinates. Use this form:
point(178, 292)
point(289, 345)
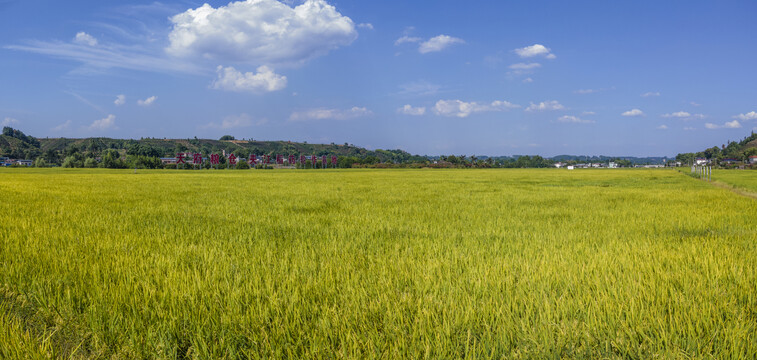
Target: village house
point(700, 161)
point(753, 159)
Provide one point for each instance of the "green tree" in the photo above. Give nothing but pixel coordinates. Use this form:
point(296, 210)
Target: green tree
point(90, 163)
point(40, 162)
point(72, 162)
point(242, 164)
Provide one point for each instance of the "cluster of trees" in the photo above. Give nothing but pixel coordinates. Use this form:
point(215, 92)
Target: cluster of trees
point(733, 150)
point(526, 161)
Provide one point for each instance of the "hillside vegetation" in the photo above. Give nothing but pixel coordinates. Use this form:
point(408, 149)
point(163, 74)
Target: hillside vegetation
point(737, 150)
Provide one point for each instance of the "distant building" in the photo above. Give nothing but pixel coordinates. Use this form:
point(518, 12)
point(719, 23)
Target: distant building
point(167, 161)
point(24, 162)
point(753, 159)
point(700, 161)
point(571, 167)
point(612, 165)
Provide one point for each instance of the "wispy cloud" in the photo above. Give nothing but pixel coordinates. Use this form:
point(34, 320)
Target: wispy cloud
point(109, 56)
point(85, 101)
point(438, 43)
point(234, 122)
point(147, 102)
point(120, 100)
point(330, 114)
point(9, 122)
point(410, 110)
point(407, 39)
point(525, 66)
point(650, 94)
point(684, 115)
point(735, 124)
point(106, 123)
point(434, 44)
point(574, 119)
point(633, 113)
point(545, 106)
point(462, 109)
point(62, 127)
point(419, 88)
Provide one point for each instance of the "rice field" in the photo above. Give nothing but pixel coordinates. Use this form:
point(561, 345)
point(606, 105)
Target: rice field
point(740, 179)
point(389, 264)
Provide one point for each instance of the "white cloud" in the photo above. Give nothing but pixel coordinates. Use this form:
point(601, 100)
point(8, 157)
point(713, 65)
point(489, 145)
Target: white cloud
point(535, 50)
point(407, 39)
point(260, 32)
point(8, 122)
point(689, 128)
point(438, 43)
point(368, 26)
point(120, 100)
point(528, 80)
point(728, 125)
point(545, 105)
point(694, 103)
point(573, 119)
point(63, 126)
point(409, 110)
point(525, 66)
point(662, 127)
point(748, 116)
point(332, 114)
point(461, 109)
point(235, 122)
point(588, 113)
point(265, 80)
point(103, 124)
point(633, 113)
point(678, 114)
point(650, 94)
point(85, 39)
point(684, 115)
point(147, 102)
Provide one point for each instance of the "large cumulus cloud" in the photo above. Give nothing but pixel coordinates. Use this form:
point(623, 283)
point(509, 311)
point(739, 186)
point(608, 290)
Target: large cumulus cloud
point(260, 32)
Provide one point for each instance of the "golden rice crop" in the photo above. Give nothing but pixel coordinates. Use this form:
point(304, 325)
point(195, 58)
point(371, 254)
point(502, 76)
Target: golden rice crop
point(741, 179)
point(375, 264)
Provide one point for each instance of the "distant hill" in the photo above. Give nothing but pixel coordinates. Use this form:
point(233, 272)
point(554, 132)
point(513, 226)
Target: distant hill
point(15, 144)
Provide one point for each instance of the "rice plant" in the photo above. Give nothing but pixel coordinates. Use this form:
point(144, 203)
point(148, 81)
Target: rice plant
point(375, 264)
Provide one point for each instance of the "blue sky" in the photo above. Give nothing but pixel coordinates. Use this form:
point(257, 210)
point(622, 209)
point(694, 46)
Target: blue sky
point(634, 78)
